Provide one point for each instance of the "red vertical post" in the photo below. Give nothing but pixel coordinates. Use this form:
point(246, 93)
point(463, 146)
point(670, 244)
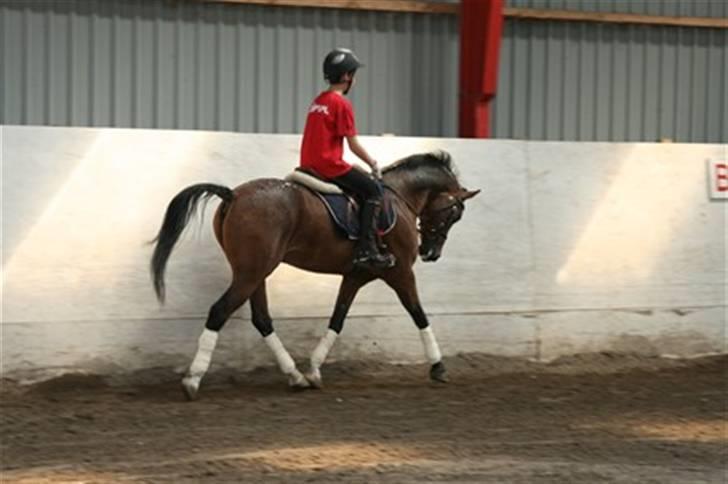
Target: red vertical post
point(481, 25)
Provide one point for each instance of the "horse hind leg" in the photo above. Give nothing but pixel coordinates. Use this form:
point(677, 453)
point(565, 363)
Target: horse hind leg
point(264, 324)
point(220, 312)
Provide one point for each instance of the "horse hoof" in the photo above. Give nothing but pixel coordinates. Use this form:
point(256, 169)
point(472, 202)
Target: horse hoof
point(298, 383)
point(314, 379)
point(299, 387)
point(438, 373)
point(189, 389)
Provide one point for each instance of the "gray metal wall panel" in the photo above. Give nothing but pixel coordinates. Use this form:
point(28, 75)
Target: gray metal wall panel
point(610, 82)
point(255, 69)
point(156, 64)
point(620, 82)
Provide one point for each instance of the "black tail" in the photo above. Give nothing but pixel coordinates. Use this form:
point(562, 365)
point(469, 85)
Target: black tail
point(179, 212)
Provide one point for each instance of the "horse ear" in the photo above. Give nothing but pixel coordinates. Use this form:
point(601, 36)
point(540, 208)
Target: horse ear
point(469, 194)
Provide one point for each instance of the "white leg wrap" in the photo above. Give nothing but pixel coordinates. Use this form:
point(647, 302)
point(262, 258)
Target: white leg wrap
point(285, 362)
point(432, 351)
point(205, 347)
point(201, 362)
point(322, 350)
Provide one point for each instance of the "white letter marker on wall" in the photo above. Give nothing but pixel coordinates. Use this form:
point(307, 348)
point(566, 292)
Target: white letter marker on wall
point(718, 178)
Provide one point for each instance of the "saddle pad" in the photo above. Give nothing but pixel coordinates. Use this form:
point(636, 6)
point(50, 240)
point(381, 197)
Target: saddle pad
point(344, 212)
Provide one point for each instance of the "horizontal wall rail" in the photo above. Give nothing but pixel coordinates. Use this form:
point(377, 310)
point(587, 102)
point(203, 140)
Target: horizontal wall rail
point(417, 6)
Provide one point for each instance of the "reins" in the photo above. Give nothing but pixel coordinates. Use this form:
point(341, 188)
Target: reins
point(399, 195)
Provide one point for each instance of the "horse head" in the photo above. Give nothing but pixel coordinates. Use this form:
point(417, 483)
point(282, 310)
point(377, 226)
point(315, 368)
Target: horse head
point(441, 212)
point(430, 179)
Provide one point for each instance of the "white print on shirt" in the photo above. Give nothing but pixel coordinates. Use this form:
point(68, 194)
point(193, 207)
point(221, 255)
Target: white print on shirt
point(319, 108)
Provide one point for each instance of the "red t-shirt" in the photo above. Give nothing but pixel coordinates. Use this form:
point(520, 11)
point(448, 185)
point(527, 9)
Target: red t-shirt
point(330, 118)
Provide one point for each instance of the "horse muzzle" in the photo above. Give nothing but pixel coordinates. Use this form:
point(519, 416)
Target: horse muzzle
point(429, 254)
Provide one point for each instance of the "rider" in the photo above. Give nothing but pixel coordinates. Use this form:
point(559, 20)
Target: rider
point(331, 119)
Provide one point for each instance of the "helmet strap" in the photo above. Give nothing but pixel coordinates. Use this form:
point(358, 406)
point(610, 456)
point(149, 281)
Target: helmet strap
point(349, 82)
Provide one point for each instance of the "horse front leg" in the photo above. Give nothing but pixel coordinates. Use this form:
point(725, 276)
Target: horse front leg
point(350, 285)
point(405, 286)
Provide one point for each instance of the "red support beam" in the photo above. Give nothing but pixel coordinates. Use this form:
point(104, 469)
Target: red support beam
point(481, 24)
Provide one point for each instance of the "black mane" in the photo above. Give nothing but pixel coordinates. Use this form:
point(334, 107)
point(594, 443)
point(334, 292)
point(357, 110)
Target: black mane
point(425, 170)
point(434, 159)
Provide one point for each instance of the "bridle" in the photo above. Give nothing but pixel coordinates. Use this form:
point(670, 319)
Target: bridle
point(440, 230)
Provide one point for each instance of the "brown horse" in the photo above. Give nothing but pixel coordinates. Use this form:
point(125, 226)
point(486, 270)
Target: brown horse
point(268, 221)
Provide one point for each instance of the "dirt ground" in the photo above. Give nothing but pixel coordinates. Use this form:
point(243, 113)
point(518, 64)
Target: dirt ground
point(590, 418)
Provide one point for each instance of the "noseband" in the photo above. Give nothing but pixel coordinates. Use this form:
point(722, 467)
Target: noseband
point(439, 231)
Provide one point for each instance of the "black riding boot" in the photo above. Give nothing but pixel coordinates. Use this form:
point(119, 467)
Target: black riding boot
point(367, 253)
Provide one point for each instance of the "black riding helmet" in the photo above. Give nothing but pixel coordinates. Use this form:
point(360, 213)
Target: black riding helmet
point(338, 62)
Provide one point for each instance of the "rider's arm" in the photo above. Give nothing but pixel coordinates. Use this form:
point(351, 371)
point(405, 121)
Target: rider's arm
point(362, 153)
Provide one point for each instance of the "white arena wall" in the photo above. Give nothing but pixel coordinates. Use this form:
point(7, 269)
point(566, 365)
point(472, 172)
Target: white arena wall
point(570, 248)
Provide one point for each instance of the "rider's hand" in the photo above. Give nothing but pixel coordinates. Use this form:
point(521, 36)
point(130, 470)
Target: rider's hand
point(376, 171)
